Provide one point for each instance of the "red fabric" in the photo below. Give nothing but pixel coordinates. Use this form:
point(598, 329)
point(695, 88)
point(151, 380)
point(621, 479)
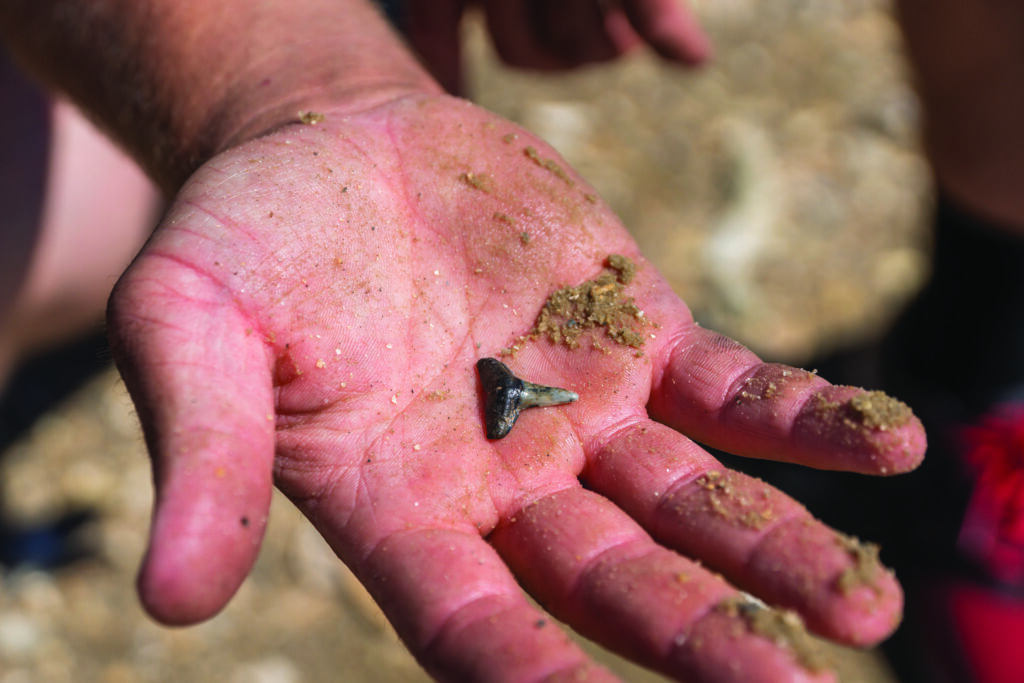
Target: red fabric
point(990, 629)
point(993, 528)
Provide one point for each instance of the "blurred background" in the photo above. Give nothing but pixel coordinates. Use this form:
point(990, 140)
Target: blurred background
point(781, 192)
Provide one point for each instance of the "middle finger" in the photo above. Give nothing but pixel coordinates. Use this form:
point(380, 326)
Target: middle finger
point(591, 565)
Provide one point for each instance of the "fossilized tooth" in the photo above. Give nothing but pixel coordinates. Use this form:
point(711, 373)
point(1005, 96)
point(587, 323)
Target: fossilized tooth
point(505, 396)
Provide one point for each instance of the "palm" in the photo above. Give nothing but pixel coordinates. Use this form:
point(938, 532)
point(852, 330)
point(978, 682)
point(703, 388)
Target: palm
point(311, 311)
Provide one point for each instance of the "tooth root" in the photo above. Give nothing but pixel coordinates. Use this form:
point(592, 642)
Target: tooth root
point(540, 395)
point(505, 395)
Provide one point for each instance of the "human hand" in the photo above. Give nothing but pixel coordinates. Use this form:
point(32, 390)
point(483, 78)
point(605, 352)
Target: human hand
point(309, 314)
point(537, 34)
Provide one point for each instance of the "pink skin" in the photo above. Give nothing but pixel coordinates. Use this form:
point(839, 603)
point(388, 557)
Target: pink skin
point(309, 315)
point(76, 210)
point(538, 34)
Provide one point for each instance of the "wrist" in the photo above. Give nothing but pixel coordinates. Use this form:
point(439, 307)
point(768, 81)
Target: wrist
point(243, 122)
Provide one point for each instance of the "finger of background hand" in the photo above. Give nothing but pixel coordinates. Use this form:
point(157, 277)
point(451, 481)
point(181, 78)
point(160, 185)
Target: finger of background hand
point(460, 612)
point(759, 538)
point(202, 391)
point(593, 567)
point(525, 34)
point(432, 27)
point(719, 393)
point(670, 28)
point(576, 31)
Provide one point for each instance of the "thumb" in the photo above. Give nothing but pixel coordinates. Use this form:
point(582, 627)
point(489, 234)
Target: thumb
point(199, 378)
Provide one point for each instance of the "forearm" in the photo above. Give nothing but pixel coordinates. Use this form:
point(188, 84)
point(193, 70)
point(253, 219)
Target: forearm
point(176, 81)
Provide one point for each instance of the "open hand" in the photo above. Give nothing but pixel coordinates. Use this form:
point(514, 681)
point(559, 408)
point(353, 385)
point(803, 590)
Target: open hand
point(310, 313)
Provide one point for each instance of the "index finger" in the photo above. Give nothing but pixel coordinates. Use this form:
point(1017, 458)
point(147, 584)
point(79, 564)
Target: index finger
point(717, 392)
